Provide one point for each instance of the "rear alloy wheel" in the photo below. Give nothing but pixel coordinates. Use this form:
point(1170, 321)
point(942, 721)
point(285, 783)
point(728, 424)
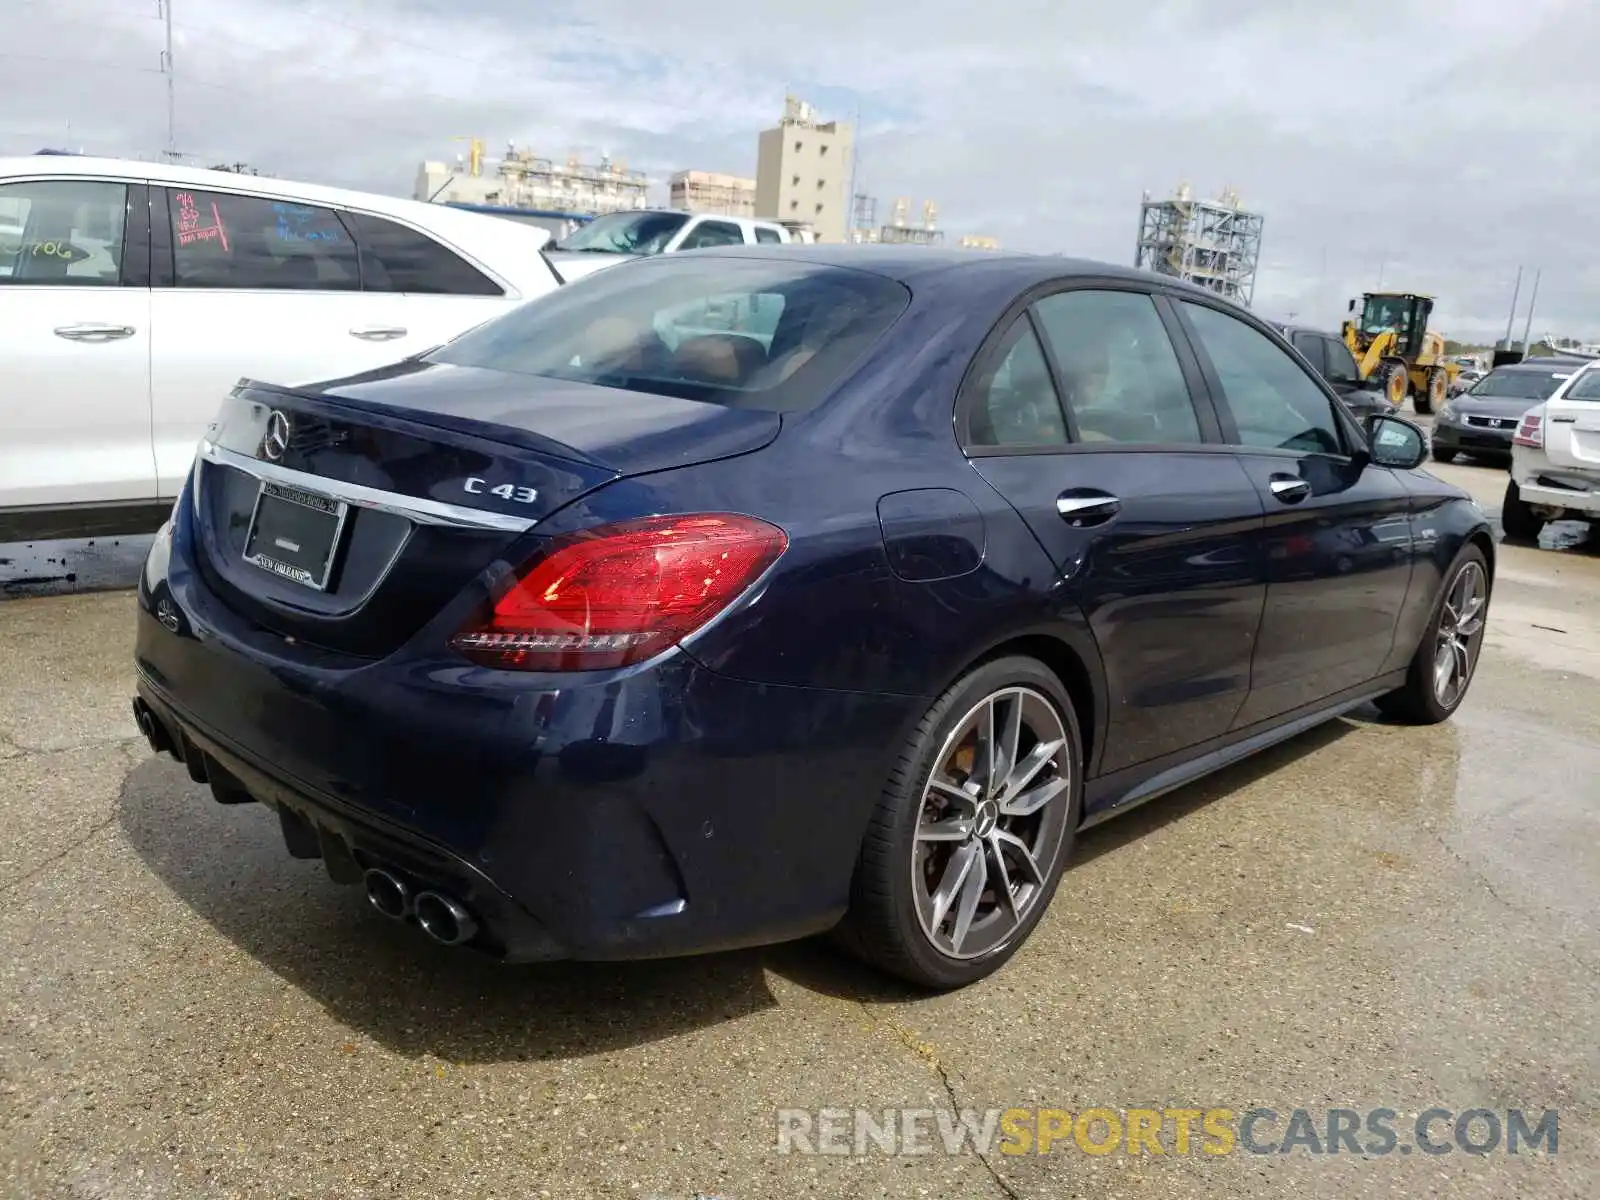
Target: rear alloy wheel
point(1517, 518)
point(1442, 668)
point(968, 841)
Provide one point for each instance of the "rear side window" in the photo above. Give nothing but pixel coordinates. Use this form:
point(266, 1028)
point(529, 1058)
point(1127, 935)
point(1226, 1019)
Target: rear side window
point(712, 233)
point(226, 241)
point(1118, 368)
point(62, 232)
point(768, 237)
point(397, 259)
point(775, 336)
point(1274, 403)
point(1014, 403)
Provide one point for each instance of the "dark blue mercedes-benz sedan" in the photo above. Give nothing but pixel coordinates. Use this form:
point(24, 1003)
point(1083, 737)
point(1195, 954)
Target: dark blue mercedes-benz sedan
point(730, 597)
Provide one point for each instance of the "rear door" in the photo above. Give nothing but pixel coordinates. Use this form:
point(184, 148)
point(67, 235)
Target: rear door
point(259, 288)
point(74, 343)
point(1338, 537)
point(1082, 415)
point(1572, 424)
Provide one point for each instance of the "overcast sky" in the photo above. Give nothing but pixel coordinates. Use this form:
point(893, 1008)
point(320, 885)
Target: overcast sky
point(1443, 155)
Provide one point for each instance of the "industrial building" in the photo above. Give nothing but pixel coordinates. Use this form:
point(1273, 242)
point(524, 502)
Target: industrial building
point(803, 171)
point(1212, 243)
point(521, 179)
point(711, 192)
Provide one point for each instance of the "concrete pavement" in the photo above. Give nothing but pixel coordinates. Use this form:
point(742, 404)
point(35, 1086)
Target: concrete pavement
point(1369, 916)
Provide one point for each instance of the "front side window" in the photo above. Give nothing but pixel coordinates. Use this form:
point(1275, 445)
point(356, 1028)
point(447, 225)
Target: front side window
point(766, 335)
point(220, 240)
point(397, 259)
point(62, 232)
point(768, 236)
point(1341, 363)
point(1118, 368)
point(712, 233)
point(1275, 404)
point(626, 233)
point(1014, 403)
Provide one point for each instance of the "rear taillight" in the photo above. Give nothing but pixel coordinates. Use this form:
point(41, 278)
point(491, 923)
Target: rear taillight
point(1529, 433)
point(622, 593)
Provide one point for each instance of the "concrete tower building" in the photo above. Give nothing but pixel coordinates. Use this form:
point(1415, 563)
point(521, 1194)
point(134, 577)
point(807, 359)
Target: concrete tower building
point(803, 171)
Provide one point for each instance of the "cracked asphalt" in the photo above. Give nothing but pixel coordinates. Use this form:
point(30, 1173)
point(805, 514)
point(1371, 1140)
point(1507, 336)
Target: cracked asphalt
point(1368, 916)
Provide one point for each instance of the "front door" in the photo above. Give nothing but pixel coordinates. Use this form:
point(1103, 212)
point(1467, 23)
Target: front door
point(1082, 418)
point(1338, 540)
point(75, 344)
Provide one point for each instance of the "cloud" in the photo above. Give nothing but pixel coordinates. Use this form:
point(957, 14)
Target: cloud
point(1441, 144)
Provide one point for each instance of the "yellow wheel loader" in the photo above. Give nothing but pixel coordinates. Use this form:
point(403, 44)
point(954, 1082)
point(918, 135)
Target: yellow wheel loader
point(1390, 336)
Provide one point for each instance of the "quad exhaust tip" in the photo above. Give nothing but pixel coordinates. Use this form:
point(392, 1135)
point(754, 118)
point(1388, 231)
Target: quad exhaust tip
point(443, 919)
point(387, 893)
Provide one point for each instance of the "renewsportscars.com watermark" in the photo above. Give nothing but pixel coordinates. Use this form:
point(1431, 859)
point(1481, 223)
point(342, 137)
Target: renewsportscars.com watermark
point(1372, 1132)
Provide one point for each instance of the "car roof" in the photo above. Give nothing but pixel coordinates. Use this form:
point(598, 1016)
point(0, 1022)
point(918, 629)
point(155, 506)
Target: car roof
point(1287, 330)
point(507, 248)
point(1543, 363)
point(912, 264)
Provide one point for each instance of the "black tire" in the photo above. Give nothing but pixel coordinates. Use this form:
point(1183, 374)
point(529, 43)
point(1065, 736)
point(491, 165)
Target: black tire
point(1441, 455)
point(1517, 518)
point(883, 926)
point(1417, 701)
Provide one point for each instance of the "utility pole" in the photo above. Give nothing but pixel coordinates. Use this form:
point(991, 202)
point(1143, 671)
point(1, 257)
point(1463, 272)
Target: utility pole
point(172, 95)
point(1516, 290)
point(1527, 329)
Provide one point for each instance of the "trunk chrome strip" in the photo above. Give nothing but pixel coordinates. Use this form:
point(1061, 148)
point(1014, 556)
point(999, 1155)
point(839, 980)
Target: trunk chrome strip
point(413, 508)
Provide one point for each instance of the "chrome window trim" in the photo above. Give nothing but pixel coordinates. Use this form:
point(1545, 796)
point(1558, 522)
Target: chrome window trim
point(412, 508)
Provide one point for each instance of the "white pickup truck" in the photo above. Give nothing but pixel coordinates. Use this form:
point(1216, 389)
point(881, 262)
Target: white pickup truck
point(619, 236)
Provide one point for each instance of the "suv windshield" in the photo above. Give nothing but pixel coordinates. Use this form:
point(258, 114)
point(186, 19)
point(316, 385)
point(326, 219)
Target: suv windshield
point(748, 333)
point(1517, 385)
point(626, 233)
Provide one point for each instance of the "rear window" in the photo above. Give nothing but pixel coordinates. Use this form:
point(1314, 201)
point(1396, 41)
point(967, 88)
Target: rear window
point(767, 335)
point(1586, 386)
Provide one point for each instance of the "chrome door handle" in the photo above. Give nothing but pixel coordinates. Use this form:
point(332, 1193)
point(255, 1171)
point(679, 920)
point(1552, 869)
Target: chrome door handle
point(89, 331)
point(1289, 489)
point(378, 333)
point(1080, 509)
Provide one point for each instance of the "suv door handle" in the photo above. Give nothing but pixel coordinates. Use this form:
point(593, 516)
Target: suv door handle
point(1081, 509)
point(378, 333)
point(90, 331)
point(1289, 489)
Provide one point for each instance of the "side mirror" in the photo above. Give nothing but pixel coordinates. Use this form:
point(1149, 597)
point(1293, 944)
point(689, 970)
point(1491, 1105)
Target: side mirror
point(1395, 442)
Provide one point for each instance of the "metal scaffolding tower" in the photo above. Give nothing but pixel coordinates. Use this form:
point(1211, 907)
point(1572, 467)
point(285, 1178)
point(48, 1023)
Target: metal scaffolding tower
point(1212, 243)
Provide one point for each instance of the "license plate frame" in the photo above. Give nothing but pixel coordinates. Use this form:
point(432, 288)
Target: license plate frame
point(293, 566)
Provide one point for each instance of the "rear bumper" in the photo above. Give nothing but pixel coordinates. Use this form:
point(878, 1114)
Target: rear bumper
point(664, 810)
point(1539, 482)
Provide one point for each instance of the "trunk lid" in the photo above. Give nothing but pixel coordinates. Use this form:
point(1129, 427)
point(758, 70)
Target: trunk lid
point(347, 514)
point(1572, 433)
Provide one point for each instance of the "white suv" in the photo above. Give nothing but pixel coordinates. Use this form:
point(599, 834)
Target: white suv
point(1555, 459)
point(133, 295)
point(619, 236)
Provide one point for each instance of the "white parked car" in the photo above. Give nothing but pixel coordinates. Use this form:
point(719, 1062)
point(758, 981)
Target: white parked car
point(134, 295)
point(617, 237)
point(1555, 459)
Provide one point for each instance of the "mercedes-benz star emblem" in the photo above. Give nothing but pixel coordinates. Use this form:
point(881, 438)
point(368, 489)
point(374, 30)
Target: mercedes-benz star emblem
point(276, 443)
